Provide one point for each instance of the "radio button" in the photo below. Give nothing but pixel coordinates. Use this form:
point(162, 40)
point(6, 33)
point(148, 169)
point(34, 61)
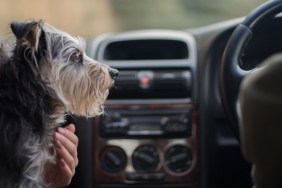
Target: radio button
point(178, 125)
point(115, 126)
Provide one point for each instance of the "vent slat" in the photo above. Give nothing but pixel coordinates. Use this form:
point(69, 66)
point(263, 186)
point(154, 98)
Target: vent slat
point(164, 84)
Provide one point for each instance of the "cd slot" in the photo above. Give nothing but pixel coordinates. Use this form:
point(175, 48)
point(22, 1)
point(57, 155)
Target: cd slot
point(151, 123)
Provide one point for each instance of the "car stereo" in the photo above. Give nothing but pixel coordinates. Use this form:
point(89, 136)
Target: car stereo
point(127, 123)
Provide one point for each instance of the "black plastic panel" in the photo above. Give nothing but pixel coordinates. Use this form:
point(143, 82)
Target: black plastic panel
point(146, 50)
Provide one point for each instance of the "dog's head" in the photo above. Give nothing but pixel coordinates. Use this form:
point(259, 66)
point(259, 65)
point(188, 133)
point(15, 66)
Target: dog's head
point(77, 81)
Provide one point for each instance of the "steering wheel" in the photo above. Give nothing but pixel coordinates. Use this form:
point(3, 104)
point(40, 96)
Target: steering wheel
point(231, 73)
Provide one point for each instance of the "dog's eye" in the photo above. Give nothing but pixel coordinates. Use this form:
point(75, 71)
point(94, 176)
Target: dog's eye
point(76, 57)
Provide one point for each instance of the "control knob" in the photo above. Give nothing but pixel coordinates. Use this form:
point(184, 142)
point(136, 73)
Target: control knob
point(145, 158)
point(178, 158)
point(113, 159)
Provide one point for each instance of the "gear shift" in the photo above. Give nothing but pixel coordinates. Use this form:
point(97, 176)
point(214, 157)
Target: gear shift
point(260, 114)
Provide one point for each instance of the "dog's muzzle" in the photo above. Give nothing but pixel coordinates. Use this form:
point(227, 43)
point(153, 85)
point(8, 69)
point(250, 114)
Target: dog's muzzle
point(113, 73)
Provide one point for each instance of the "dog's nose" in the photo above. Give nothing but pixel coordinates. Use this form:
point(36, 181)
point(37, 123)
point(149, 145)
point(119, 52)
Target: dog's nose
point(113, 73)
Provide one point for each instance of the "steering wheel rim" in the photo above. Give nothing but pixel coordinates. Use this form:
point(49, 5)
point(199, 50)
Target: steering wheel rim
point(231, 74)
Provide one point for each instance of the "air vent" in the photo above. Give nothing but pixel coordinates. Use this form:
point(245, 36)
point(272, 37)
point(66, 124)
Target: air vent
point(152, 85)
point(146, 50)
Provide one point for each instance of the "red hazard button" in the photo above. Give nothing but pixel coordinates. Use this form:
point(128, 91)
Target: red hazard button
point(145, 79)
point(145, 82)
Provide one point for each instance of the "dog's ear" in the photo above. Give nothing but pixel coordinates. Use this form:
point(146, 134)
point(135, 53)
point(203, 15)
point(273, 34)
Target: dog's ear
point(28, 33)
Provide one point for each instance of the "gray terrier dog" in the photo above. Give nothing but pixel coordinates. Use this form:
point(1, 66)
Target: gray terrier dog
point(44, 72)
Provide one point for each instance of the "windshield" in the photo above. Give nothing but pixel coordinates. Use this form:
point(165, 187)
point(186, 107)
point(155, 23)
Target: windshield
point(90, 18)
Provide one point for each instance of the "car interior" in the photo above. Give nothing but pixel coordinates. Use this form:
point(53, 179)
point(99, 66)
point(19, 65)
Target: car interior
point(171, 120)
point(177, 115)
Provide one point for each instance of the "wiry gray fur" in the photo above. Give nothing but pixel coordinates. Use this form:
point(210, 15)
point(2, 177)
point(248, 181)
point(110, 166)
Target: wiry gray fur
point(44, 73)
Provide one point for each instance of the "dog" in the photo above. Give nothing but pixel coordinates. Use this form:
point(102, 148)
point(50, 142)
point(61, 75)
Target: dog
point(44, 73)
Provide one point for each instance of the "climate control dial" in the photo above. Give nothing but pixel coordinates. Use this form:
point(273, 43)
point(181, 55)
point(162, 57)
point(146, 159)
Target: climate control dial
point(113, 159)
point(178, 159)
point(145, 157)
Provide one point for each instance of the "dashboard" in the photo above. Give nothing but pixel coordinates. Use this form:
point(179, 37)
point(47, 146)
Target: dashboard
point(164, 124)
point(148, 133)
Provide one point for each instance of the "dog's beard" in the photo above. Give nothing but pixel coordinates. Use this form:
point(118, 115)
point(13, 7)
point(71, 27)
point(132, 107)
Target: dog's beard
point(82, 89)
